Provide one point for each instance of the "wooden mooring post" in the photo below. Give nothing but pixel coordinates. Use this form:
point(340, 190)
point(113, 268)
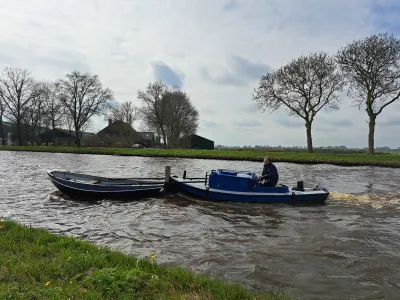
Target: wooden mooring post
point(167, 174)
point(168, 186)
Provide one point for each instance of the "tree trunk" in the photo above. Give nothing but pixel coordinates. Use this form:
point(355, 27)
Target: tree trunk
point(3, 140)
point(164, 137)
point(19, 132)
point(371, 134)
point(54, 133)
point(309, 138)
point(158, 140)
point(32, 135)
point(45, 135)
point(77, 138)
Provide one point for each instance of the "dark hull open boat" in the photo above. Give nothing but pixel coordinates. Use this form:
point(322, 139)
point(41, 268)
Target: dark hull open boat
point(87, 186)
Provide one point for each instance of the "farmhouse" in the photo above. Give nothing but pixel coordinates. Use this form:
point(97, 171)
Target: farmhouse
point(119, 134)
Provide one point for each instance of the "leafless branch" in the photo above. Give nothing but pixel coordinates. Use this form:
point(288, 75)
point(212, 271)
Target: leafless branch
point(126, 112)
point(83, 96)
point(35, 112)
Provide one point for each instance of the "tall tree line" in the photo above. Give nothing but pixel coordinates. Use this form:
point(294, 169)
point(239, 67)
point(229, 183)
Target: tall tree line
point(368, 69)
point(72, 101)
point(68, 102)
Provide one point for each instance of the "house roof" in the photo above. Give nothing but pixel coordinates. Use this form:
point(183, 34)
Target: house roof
point(122, 129)
point(147, 135)
point(59, 133)
point(195, 135)
point(44, 129)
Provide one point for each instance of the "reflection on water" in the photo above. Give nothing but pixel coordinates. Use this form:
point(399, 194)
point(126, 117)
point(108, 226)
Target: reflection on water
point(346, 249)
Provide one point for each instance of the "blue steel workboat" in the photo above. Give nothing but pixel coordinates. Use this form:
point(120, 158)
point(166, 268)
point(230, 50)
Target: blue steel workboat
point(243, 186)
point(88, 186)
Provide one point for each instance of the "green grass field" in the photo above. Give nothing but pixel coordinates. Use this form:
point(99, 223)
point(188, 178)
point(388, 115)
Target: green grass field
point(344, 158)
point(35, 264)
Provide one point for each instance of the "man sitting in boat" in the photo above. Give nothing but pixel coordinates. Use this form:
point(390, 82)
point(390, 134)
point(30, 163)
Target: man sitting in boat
point(269, 177)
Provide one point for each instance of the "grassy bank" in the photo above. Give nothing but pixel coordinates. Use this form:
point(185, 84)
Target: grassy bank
point(35, 264)
point(350, 158)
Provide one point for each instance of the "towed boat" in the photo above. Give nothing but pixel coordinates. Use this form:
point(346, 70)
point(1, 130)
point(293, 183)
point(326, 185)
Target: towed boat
point(88, 186)
point(243, 186)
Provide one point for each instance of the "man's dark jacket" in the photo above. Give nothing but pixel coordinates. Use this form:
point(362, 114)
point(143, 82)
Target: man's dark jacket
point(270, 173)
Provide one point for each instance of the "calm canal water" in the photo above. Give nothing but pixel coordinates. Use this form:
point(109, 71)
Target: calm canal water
point(346, 249)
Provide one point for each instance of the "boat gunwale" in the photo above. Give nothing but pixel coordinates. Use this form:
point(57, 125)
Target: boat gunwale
point(252, 194)
point(135, 182)
point(105, 191)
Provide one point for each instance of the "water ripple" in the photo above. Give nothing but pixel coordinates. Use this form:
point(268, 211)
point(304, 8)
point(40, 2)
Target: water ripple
point(351, 243)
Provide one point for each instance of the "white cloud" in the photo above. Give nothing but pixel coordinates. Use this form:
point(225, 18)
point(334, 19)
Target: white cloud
point(228, 41)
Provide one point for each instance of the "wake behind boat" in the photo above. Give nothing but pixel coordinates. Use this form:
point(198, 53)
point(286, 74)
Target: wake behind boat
point(89, 186)
point(243, 186)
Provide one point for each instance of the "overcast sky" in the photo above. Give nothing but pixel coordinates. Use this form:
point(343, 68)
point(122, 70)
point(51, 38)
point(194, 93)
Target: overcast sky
point(215, 50)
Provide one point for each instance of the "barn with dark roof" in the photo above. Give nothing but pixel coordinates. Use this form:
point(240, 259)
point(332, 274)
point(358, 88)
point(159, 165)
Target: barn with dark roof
point(194, 141)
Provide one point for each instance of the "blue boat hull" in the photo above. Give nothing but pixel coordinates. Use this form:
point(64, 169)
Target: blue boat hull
point(97, 191)
point(205, 192)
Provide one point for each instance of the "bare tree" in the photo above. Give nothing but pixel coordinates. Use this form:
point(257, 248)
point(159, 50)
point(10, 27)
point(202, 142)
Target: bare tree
point(17, 89)
point(181, 117)
point(304, 87)
point(372, 68)
point(154, 106)
point(68, 123)
point(53, 108)
point(83, 96)
point(144, 126)
point(35, 113)
point(125, 112)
